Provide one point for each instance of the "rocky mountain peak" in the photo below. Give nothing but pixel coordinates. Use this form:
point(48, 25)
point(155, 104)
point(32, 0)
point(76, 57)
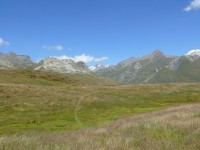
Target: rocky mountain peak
point(62, 65)
point(154, 54)
point(12, 60)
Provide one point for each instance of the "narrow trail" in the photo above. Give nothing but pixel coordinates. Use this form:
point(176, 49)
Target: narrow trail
point(77, 107)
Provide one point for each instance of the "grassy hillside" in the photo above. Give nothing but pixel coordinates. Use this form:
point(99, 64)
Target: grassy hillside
point(43, 103)
point(68, 103)
point(51, 78)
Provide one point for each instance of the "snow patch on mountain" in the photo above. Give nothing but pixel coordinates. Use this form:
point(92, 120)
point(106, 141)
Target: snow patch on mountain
point(194, 53)
point(98, 67)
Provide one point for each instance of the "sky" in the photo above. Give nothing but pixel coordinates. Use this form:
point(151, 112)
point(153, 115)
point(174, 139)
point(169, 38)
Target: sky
point(99, 31)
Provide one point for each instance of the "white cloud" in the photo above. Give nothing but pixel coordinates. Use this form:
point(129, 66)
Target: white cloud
point(3, 42)
point(195, 4)
point(84, 58)
point(56, 47)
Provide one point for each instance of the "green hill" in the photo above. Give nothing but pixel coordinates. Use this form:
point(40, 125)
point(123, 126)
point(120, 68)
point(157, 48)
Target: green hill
point(24, 76)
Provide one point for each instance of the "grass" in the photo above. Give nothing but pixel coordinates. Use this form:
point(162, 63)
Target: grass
point(168, 129)
point(48, 105)
point(50, 108)
point(32, 77)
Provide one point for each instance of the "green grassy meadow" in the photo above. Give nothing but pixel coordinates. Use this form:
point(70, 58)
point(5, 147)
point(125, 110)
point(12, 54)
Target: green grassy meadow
point(33, 102)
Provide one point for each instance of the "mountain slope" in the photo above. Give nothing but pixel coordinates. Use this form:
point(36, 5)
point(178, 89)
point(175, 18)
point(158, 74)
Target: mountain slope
point(137, 70)
point(12, 60)
point(156, 68)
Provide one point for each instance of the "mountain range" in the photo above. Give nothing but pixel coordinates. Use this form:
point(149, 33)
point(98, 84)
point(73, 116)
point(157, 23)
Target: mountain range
point(156, 68)
point(153, 68)
point(12, 60)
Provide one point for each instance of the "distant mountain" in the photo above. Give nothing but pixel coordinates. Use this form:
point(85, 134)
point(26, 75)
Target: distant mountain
point(193, 54)
point(12, 60)
point(98, 67)
point(156, 68)
point(153, 68)
point(62, 66)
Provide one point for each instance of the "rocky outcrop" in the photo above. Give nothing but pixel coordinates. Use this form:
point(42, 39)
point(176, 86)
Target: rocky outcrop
point(62, 66)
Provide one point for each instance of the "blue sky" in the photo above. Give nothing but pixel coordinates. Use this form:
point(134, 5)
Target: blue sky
point(99, 30)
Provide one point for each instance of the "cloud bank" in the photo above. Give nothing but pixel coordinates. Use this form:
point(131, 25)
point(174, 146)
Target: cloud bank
point(57, 47)
point(84, 58)
point(195, 4)
point(3, 42)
